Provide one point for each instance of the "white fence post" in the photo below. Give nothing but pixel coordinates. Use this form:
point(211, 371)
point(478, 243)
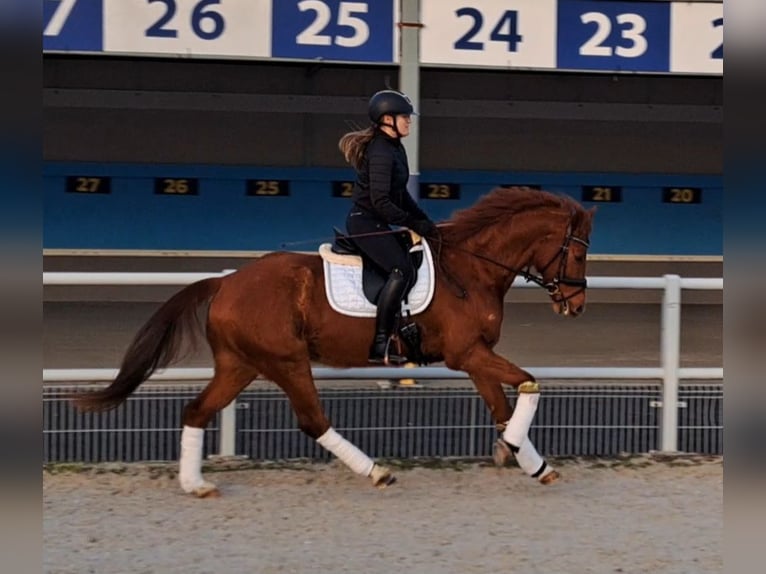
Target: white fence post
point(228, 430)
point(670, 357)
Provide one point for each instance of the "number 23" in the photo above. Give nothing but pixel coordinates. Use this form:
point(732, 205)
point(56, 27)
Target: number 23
point(594, 46)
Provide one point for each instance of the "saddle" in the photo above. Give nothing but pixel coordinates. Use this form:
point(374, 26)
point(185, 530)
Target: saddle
point(373, 278)
point(353, 282)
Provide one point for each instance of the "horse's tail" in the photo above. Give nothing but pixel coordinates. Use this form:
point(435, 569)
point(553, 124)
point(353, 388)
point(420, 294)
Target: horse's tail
point(156, 345)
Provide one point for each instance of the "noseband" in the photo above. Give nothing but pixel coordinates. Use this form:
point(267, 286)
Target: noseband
point(553, 286)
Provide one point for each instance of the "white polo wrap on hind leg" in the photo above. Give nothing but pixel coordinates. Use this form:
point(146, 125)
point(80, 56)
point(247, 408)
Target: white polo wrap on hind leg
point(517, 428)
point(190, 465)
point(354, 458)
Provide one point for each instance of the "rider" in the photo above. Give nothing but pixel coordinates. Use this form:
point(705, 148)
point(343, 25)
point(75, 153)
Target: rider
point(380, 199)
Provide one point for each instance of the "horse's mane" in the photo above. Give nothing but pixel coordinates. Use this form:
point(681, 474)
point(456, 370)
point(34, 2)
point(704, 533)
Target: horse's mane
point(502, 203)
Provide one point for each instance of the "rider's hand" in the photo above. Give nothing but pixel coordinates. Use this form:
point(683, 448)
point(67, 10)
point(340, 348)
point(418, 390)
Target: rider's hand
point(426, 228)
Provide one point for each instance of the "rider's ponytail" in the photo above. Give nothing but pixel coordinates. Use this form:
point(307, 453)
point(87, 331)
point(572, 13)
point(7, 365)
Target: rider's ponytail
point(353, 145)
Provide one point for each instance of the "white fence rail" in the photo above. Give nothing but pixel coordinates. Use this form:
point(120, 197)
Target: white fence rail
point(669, 371)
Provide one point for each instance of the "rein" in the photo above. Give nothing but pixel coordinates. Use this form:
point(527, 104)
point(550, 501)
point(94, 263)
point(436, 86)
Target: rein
point(552, 287)
point(330, 238)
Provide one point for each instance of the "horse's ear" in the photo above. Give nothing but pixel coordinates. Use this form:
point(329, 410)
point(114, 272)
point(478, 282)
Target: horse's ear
point(592, 211)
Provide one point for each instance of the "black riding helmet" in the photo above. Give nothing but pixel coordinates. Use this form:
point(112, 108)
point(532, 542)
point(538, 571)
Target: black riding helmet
point(389, 102)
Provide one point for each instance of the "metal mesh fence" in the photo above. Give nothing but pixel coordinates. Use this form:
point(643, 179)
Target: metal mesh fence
point(572, 420)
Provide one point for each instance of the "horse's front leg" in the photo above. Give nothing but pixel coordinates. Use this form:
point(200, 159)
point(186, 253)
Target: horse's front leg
point(489, 372)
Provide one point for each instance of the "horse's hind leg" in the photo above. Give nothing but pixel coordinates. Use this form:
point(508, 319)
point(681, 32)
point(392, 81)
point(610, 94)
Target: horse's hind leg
point(296, 381)
point(230, 378)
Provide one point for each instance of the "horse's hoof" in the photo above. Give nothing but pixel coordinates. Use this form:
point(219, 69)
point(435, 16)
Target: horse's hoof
point(382, 476)
point(501, 453)
point(205, 490)
point(550, 478)
point(208, 493)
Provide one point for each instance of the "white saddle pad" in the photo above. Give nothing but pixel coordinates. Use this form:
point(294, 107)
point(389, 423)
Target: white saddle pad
point(343, 283)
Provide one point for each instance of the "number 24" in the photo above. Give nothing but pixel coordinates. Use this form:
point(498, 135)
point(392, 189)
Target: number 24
point(506, 30)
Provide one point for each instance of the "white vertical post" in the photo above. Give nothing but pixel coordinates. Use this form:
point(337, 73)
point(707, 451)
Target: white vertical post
point(226, 438)
point(670, 357)
point(409, 83)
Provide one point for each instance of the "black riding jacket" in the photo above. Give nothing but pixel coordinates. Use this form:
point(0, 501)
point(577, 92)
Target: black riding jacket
point(381, 183)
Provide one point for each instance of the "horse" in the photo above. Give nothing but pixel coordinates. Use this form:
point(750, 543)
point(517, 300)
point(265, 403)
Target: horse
point(271, 319)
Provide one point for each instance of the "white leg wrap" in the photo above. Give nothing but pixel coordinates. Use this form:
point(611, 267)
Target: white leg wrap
point(354, 458)
point(523, 413)
point(190, 465)
point(530, 460)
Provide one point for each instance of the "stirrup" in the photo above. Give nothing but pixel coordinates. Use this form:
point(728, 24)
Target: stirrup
point(388, 358)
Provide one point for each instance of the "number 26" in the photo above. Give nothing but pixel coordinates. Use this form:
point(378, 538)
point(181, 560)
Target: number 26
point(199, 15)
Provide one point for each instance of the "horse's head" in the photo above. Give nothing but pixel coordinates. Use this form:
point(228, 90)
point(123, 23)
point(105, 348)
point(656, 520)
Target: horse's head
point(561, 261)
point(516, 228)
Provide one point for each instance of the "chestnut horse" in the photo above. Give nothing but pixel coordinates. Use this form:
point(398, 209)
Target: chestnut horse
point(271, 319)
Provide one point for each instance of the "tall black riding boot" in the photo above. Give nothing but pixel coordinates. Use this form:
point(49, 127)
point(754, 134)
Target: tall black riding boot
point(389, 304)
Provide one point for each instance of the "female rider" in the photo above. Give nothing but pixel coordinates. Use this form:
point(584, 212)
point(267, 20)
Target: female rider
point(380, 199)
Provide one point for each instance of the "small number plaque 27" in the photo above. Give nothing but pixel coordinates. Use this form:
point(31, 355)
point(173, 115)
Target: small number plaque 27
point(88, 184)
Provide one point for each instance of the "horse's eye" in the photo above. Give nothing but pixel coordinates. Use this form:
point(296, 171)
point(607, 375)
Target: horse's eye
point(579, 258)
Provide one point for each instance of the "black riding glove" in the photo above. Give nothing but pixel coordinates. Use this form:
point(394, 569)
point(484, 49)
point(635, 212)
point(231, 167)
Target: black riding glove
point(426, 228)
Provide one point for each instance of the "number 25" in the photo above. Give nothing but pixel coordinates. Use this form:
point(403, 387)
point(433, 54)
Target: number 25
point(267, 188)
point(313, 36)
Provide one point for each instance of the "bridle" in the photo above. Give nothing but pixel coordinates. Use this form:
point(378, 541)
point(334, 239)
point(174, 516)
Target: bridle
point(553, 287)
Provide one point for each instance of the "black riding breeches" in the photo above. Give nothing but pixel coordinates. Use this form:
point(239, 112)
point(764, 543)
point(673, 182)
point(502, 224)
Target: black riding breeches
point(386, 250)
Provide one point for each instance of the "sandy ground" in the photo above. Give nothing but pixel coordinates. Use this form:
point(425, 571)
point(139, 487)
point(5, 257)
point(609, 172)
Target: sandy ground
point(637, 514)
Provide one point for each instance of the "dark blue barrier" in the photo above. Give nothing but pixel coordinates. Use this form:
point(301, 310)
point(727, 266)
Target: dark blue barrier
point(207, 208)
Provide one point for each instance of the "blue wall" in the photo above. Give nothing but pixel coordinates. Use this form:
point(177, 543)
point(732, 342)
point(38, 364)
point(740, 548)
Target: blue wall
point(222, 217)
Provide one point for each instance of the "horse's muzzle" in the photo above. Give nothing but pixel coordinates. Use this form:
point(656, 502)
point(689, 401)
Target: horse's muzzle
point(566, 309)
point(572, 305)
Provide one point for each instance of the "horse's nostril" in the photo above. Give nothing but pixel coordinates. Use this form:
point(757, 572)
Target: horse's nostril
point(579, 309)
